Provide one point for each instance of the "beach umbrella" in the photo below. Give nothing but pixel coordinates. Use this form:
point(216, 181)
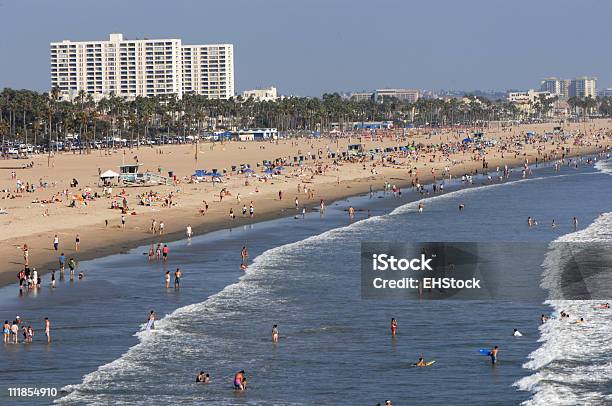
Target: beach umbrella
point(280, 168)
point(247, 170)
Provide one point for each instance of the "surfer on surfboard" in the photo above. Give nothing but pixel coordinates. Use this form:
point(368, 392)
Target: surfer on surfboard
point(422, 363)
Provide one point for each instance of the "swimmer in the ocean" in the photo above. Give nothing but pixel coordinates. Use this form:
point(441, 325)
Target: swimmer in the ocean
point(517, 333)
point(203, 377)
point(603, 306)
point(420, 363)
point(240, 381)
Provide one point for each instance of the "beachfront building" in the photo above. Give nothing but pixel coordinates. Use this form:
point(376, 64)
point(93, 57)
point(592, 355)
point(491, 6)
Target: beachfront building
point(408, 95)
point(583, 87)
point(372, 125)
point(258, 134)
point(140, 67)
point(526, 101)
point(208, 70)
point(361, 96)
point(265, 94)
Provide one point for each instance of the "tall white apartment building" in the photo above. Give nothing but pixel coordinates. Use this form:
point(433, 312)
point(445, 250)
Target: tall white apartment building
point(208, 70)
point(142, 67)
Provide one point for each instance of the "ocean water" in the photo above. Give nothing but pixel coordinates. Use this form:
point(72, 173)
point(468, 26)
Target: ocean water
point(335, 347)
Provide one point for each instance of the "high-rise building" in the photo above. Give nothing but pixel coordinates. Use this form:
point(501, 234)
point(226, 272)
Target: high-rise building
point(208, 70)
point(551, 85)
point(583, 87)
point(141, 67)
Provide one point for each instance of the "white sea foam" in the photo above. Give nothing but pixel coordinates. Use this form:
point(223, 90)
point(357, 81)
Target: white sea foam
point(573, 366)
point(604, 166)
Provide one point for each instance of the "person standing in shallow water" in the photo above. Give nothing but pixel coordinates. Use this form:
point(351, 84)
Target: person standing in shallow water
point(177, 278)
point(275, 333)
point(244, 253)
point(48, 329)
point(393, 327)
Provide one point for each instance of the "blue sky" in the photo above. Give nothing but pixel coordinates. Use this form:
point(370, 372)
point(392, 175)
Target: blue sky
point(315, 46)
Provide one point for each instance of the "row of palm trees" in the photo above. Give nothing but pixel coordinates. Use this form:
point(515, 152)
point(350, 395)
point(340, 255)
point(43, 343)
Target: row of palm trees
point(42, 118)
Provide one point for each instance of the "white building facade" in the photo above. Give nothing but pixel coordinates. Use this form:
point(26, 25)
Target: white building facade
point(141, 67)
point(409, 95)
point(208, 70)
point(266, 94)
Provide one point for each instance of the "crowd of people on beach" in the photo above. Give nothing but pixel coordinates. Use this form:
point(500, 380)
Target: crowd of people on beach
point(30, 280)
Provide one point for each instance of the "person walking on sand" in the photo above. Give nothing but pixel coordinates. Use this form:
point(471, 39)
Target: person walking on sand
point(189, 231)
point(161, 227)
point(55, 242)
point(26, 255)
point(77, 242)
point(123, 221)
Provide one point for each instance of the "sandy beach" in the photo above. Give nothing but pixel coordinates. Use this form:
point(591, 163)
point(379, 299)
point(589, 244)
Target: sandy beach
point(34, 218)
